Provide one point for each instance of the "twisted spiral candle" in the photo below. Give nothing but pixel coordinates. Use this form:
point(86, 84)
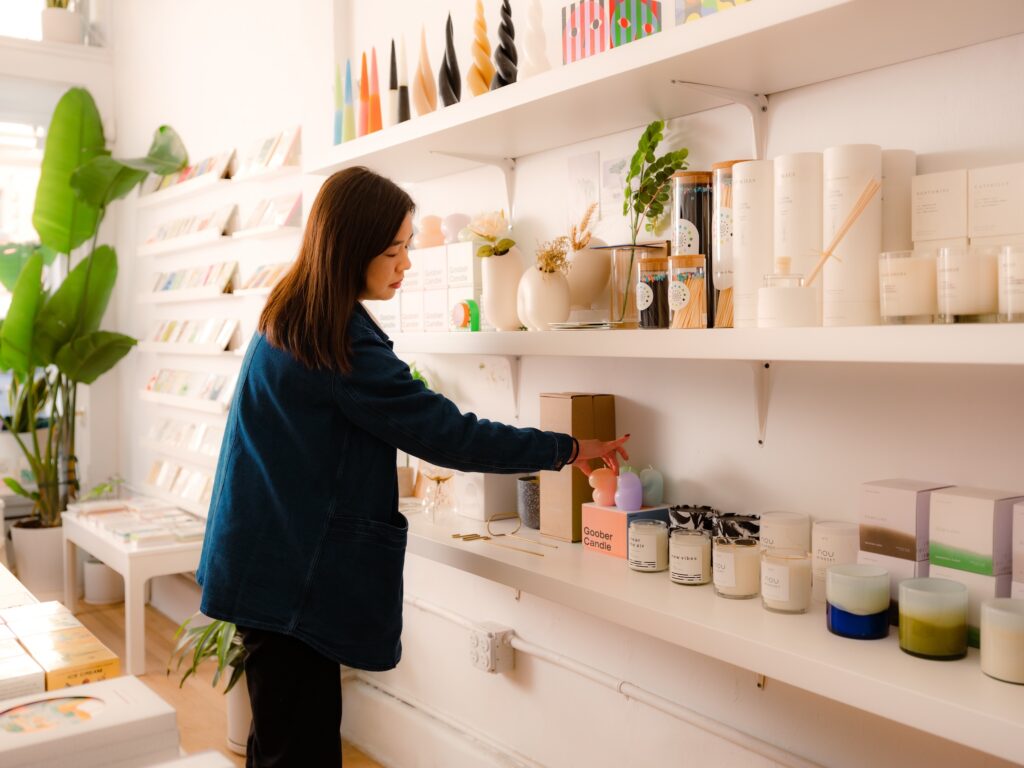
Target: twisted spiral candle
point(449, 82)
point(481, 71)
point(506, 60)
point(424, 90)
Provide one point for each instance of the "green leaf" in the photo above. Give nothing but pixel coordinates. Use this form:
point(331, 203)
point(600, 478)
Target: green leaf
point(104, 179)
point(17, 487)
point(17, 331)
point(503, 246)
point(76, 308)
point(75, 136)
point(88, 357)
point(485, 251)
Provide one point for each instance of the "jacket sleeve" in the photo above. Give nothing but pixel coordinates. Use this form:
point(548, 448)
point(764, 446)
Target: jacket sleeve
point(380, 396)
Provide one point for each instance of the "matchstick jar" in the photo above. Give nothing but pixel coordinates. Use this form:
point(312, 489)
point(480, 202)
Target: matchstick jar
point(687, 295)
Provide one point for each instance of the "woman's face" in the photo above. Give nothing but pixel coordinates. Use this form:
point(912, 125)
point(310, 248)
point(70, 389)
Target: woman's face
point(385, 272)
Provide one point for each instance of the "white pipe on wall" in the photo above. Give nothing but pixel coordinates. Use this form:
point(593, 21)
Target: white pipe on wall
point(627, 689)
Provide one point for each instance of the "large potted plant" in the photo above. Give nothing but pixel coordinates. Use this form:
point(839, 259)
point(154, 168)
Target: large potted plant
point(51, 340)
point(217, 641)
point(646, 195)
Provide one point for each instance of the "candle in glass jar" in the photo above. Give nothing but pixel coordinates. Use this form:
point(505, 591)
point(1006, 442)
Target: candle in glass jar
point(1002, 639)
point(857, 601)
point(833, 542)
point(786, 530)
point(737, 568)
point(689, 557)
point(786, 580)
point(648, 545)
point(933, 618)
point(967, 281)
point(907, 286)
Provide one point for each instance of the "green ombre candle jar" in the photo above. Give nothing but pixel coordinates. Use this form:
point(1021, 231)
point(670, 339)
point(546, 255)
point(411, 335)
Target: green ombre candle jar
point(933, 618)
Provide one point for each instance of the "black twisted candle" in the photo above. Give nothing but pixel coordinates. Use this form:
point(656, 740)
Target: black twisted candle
point(505, 58)
point(449, 81)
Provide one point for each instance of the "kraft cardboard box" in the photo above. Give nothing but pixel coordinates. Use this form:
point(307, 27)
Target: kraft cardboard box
point(894, 517)
point(971, 529)
point(562, 494)
point(605, 528)
point(71, 657)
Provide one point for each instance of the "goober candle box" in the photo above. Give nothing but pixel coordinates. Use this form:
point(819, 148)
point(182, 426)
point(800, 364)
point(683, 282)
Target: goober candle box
point(979, 589)
point(971, 529)
point(894, 517)
point(605, 528)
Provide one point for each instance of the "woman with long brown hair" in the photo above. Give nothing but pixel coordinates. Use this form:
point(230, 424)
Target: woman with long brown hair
point(305, 546)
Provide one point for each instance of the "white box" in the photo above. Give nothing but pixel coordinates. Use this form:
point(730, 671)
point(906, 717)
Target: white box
point(894, 517)
point(435, 311)
point(898, 568)
point(464, 266)
point(971, 529)
point(121, 723)
point(996, 200)
point(485, 496)
point(433, 263)
point(413, 278)
point(979, 589)
point(388, 314)
point(1018, 542)
point(939, 206)
point(20, 675)
point(412, 311)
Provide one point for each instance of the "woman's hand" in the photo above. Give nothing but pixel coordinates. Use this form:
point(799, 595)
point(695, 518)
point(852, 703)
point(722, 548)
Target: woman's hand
point(608, 452)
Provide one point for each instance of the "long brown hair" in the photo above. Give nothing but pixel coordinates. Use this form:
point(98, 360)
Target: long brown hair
point(354, 218)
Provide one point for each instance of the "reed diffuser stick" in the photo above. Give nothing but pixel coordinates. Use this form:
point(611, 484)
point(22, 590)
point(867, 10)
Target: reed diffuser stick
point(858, 208)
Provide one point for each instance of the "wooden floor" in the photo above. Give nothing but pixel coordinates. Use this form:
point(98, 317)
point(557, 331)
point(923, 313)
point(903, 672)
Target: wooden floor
point(202, 719)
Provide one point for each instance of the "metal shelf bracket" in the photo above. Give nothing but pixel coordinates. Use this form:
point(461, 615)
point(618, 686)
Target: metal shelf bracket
point(756, 104)
point(507, 166)
point(762, 396)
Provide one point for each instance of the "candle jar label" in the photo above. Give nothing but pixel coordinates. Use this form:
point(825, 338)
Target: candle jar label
point(686, 565)
point(725, 569)
point(775, 582)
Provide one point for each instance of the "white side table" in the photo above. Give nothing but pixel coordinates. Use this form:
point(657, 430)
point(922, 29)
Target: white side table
point(136, 566)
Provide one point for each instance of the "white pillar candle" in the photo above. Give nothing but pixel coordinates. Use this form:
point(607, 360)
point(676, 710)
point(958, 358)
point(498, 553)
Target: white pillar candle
point(785, 530)
point(752, 192)
point(851, 278)
point(797, 220)
point(786, 580)
point(1011, 283)
point(967, 282)
point(1002, 639)
point(689, 557)
point(899, 166)
point(907, 286)
point(648, 545)
point(737, 568)
point(833, 542)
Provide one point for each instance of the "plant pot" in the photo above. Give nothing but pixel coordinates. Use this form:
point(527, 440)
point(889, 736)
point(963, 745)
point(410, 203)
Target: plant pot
point(239, 717)
point(543, 299)
point(589, 270)
point(500, 276)
point(39, 559)
point(62, 26)
point(103, 585)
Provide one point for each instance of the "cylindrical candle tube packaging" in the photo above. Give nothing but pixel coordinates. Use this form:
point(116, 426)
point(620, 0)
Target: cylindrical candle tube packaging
point(786, 580)
point(1002, 639)
point(785, 530)
point(689, 557)
point(857, 601)
point(737, 568)
point(933, 618)
point(752, 190)
point(648, 545)
point(833, 542)
point(797, 228)
point(899, 166)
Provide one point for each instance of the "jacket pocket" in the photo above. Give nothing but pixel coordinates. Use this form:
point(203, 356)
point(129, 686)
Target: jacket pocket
point(355, 602)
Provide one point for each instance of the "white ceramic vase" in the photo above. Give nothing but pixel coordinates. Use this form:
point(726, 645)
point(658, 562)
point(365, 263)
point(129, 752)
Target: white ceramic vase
point(589, 270)
point(62, 26)
point(239, 716)
point(543, 299)
point(498, 300)
point(39, 559)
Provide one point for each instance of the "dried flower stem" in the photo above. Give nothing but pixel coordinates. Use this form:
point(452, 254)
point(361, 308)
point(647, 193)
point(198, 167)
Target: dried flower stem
point(551, 255)
point(579, 235)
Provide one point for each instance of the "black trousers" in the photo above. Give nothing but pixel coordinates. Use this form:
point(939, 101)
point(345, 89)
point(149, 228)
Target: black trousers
point(295, 694)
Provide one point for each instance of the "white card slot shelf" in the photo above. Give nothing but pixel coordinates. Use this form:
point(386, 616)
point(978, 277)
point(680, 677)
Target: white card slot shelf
point(190, 403)
point(268, 174)
point(195, 507)
point(182, 454)
point(186, 189)
point(183, 244)
point(206, 350)
point(953, 700)
point(186, 294)
point(264, 233)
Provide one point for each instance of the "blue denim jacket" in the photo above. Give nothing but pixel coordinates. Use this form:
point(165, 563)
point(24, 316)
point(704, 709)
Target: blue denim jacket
point(304, 536)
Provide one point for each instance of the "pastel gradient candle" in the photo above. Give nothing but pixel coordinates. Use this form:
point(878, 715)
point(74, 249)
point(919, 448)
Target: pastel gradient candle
point(857, 601)
point(604, 482)
point(363, 125)
point(933, 618)
point(348, 120)
point(374, 119)
point(629, 495)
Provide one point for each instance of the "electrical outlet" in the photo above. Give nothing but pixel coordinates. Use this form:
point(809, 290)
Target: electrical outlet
point(490, 648)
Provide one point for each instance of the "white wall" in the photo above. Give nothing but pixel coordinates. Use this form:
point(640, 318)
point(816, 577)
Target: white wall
point(830, 426)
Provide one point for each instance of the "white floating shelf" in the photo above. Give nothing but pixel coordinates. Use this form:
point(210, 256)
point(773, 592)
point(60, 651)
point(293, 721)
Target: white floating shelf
point(206, 350)
point(953, 700)
point(182, 244)
point(182, 454)
point(264, 233)
point(186, 294)
point(268, 174)
point(185, 189)
point(189, 403)
point(988, 344)
point(759, 48)
point(265, 291)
